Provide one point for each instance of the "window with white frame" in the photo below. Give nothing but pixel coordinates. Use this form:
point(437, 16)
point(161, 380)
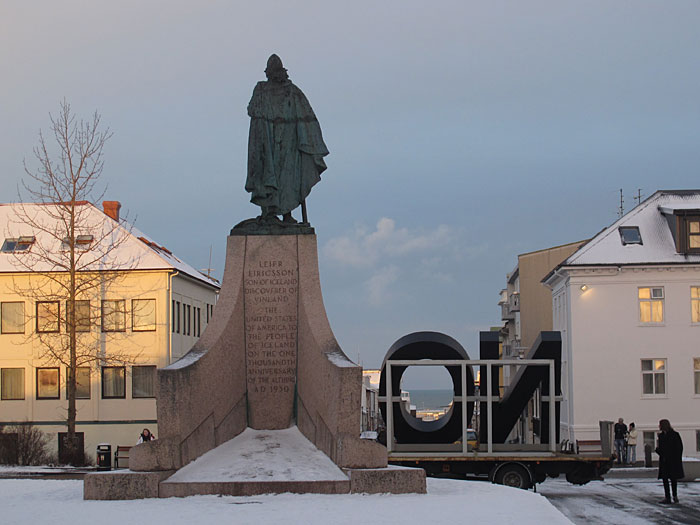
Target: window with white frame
point(695, 304)
point(653, 377)
point(651, 305)
point(696, 370)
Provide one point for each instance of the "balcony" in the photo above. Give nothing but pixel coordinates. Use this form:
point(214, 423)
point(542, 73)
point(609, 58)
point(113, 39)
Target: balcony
point(506, 313)
point(514, 302)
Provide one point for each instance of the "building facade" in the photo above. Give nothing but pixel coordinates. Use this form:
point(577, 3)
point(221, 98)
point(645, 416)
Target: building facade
point(148, 313)
point(628, 306)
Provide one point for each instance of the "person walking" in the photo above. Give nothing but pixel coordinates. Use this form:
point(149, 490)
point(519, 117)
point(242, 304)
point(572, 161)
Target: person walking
point(670, 451)
point(632, 444)
point(620, 446)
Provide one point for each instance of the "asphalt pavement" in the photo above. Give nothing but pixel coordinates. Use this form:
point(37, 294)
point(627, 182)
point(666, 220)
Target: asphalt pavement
point(628, 500)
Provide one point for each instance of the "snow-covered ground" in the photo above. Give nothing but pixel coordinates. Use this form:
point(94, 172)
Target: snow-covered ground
point(36, 501)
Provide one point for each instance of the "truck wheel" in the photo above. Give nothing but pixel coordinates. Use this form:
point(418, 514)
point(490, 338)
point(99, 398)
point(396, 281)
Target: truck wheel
point(513, 476)
point(580, 476)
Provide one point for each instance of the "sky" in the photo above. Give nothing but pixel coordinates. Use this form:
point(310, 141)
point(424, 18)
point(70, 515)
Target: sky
point(461, 133)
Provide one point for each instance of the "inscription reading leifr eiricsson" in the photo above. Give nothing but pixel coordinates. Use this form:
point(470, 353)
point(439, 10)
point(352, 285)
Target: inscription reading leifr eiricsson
point(271, 329)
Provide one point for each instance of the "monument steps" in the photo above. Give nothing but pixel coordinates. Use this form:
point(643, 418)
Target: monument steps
point(259, 462)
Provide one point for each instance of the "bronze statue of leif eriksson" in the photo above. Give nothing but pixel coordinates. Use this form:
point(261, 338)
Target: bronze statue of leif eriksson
point(285, 148)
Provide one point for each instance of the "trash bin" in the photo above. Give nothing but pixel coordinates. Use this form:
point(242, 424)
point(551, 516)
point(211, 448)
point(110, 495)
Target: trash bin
point(104, 456)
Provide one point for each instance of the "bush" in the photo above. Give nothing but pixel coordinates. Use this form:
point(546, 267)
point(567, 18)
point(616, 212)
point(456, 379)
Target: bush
point(23, 445)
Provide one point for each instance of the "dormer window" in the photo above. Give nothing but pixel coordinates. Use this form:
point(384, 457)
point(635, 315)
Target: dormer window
point(18, 244)
point(630, 235)
point(693, 233)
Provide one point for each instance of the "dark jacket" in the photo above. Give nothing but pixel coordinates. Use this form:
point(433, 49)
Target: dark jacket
point(620, 430)
point(670, 451)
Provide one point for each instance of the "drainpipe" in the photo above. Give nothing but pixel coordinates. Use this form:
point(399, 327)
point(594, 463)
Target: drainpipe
point(170, 311)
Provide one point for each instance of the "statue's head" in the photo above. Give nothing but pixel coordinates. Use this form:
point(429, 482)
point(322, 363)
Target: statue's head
point(275, 70)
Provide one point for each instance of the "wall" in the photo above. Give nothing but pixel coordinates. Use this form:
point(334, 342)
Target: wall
point(607, 343)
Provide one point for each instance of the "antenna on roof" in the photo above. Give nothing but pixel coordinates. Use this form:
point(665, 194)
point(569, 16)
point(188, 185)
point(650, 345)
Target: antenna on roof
point(208, 269)
point(638, 197)
point(621, 209)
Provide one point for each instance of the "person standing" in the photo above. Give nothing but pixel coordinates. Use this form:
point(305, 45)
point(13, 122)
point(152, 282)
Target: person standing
point(632, 444)
point(670, 451)
point(620, 446)
point(145, 436)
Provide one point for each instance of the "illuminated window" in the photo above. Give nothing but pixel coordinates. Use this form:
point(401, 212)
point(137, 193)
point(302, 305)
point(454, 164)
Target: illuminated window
point(82, 382)
point(695, 304)
point(113, 382)
point(47, 313)
point(18, 244)
point(651, 305)
point(114, 316)
point(11, 384)
point(696, 366)
point(653, 377)
point(47, 380)
point(630, 235)
point(143, 315)
point(693, 234)
point(12, 318)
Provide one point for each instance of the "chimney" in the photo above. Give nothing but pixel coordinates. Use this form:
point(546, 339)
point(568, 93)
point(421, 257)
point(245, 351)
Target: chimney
point(111, 208)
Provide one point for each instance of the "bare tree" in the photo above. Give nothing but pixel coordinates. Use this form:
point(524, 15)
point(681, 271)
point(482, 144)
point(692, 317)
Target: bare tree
point(69, 252)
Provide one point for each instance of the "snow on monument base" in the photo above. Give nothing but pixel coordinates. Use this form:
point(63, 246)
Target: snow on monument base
point(269, 361)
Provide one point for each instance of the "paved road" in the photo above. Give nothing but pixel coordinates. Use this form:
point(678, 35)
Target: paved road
point(628, 501)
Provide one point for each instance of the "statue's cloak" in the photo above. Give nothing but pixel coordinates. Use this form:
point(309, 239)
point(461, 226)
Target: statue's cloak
point(285, 147)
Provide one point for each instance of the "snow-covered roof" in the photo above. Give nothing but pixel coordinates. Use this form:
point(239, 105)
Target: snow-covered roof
point(115, 246)
point(653, 218)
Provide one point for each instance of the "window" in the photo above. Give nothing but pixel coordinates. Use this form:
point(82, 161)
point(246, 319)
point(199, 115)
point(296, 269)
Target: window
point(172, 317)
point(11, 383)
point(695, 304)
point(113, 382)
point(630, 235)
point(693, 226)
point(12, 318)
point(47, 313)
point(143, 381)
point(697, 440)
point(114, 316)
point(696, 370)
point(82, 242)
point(82, 316)
point(82, 382)
point(198, 321)
point(651, 305)
point(143, 315)
point(189, 319)
point(47, 383)
point(653, 377)
point(178, 316)
point(18, 244)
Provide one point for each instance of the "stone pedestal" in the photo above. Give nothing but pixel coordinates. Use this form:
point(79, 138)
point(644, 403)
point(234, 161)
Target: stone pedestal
point(267, 360)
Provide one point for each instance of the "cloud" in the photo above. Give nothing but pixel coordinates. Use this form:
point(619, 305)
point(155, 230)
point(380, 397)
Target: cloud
point(361, 249)
point(378, 285)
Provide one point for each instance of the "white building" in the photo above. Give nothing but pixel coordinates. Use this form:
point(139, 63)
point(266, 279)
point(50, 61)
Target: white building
point(628, 306)
point(152, 315)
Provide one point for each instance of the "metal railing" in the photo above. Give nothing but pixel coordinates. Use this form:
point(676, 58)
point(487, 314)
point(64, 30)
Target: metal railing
point(464, 399)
